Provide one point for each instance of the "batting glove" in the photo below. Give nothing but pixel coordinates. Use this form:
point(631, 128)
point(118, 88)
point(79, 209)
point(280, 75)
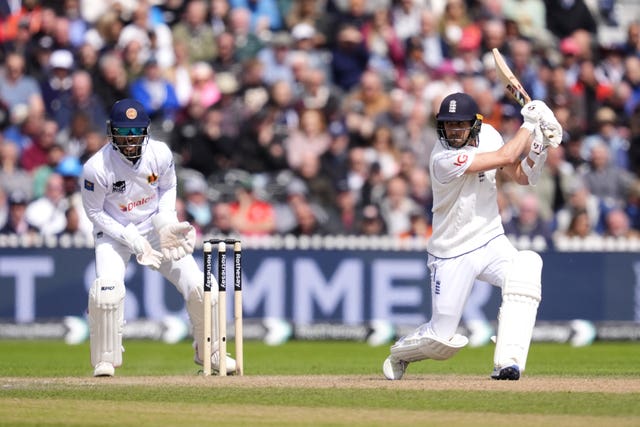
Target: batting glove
point(140, 246)
point(177, 239)
point(538, 154)
point(551, 129)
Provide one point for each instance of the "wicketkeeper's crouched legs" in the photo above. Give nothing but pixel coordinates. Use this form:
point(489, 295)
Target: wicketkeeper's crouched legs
point(106, 324)
point(521, 295)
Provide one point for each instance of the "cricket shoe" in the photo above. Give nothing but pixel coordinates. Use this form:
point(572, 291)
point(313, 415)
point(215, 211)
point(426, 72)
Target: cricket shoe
point(104, 369)
point(215, 361)
point(393, 368)
point(507, 373)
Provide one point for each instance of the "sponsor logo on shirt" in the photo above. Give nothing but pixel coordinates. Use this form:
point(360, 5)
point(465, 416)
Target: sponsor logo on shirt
point(134, 204)
point(119, 187)
point(152, 179)
point(461, 159)
point(88, 185)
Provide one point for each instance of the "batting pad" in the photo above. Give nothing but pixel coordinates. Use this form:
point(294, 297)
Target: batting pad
point(194, 305)
point(521, 295)
point(106, 321)
point(428, 346)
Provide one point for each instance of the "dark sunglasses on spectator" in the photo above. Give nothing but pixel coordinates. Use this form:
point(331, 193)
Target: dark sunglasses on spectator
point(129, 131)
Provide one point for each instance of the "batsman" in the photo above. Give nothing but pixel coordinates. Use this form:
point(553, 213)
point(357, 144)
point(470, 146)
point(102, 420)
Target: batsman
point(129, 194)
point(468, 240)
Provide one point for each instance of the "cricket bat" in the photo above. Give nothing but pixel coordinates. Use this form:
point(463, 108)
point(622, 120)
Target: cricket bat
point(511, 82)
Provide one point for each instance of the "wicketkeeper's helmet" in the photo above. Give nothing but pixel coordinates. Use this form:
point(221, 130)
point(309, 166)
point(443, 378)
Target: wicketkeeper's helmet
point(128, 128)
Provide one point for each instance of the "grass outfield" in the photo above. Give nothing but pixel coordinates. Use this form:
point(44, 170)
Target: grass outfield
point(48, 383)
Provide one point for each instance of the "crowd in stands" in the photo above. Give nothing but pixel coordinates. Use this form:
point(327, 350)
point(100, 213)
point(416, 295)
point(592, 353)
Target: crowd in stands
point(312, 117)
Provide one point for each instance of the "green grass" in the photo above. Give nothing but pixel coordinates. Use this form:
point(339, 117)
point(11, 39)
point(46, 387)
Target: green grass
point(51, 384)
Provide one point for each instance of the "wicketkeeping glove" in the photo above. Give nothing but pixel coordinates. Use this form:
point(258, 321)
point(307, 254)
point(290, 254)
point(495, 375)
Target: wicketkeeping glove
point(177, 239)
point(145, 254)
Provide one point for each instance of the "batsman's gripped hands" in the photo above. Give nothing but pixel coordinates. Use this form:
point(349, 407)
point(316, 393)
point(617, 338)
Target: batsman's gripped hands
point(537, 114)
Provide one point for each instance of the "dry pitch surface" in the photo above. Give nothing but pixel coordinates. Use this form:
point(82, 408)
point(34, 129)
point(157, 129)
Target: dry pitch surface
point(410, 382)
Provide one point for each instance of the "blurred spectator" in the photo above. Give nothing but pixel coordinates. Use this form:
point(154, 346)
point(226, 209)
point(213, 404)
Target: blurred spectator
point(617, 225)
point(371, 222)
point(179, 73)
point(347, 209)
point(110, 83)
point(385, 47)
point(307, 223)
point(251, 215)
point(592, 92)
point(275, 58)
point(557, 12)
point(260, 147)
point(631, 44)
point(194, 30)
point(530, 17)
point(47, 213)
point(41, 173)
point(219, 15)
point(335, 161)
point(94, 141)
point(59, 82)
point(580, 199)
point(350, 58)
point(363, 104)
point(580, 226)
point(70, 169)
point(453, 21)
point(317, 93)
point(383, 150)
point(312, 137)
point(16, 220)
point(36, 153)
point(405, 16)
point(608, 182)
point(608, 133)
point(12, 176)
point(81, 99)
point(221, 223)
point(310, 12)
point(305, 45)
point(156, 94)
point(17, 88)
point(247, 43)
point(528, 220)
point(226, 60)
point(557, 180)
point(265, 15)
point(396, 206)
point(74, 138)
point(420, 190)
point(320, 188)
point(196, 200)
point(419, 226)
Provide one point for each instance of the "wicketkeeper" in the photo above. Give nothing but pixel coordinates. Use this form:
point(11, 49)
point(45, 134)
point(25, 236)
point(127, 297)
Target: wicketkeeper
point(468, 240)
point(129, 193)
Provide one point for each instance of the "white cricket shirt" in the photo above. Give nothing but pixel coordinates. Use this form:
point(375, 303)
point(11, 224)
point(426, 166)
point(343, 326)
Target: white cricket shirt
point(465, 206)
point(116, 193)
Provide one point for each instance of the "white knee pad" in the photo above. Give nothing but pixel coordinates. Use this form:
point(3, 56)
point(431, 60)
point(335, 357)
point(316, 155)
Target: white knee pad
point(521, 295)
point(195, 308)
point(427, 346)
point(106, 321)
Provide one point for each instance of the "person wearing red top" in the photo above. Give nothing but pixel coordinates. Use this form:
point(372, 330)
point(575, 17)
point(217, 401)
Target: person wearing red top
point(251, 215)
